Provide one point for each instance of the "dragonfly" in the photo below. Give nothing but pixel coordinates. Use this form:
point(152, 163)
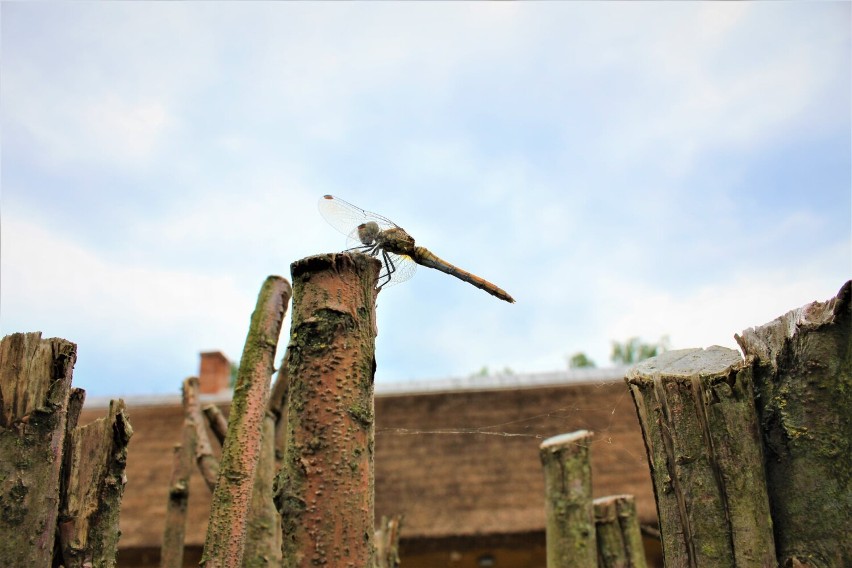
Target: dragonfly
point(380, 237)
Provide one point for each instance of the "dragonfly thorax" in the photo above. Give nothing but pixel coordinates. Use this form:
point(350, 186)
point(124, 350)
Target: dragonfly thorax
point(368, 233)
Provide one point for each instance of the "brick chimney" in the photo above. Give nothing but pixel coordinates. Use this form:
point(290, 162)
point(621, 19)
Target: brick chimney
point(214, 373)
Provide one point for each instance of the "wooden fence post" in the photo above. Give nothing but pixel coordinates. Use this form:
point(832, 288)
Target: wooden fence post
point(570, 524)
point(324, 491)
point(35, 383)
point(618, 534)
point(699, 422)
point(803, 377)
point(226, 530)
point(171, 552)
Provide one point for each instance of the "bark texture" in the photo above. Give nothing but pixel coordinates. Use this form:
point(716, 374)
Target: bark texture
point(226, 530)
point(570, 524)
point(263, 532)
point(618, 535)
point(88, 528)
point(803, 377)
point(35, 385)
point(698, 418)
point(324, 491)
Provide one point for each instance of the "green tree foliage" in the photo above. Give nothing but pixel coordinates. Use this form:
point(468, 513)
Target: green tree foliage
point(634, 350)
point(580, 360)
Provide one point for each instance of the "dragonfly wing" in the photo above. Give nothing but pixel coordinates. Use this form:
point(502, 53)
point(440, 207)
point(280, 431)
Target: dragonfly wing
point(404, 268)
point(346, 217)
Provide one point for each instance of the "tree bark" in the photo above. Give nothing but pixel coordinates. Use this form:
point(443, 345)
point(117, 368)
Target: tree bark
point(324, 491)
point(618, 535)
point(387, 542)
point(88, 533)
point(35, 384)
point(263, 532)
point(803, 377)
point(699, 422)
point(570, 523)
point(226, 530)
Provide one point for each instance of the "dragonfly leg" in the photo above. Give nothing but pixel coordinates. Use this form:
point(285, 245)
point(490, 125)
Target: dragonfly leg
point(391, 268)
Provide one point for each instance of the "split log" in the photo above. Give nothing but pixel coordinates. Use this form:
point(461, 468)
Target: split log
point(570, 523)
point(803, 378)
point(35, 385)
point(226, 530)
point(88, 531)
point(324, 491)
point(699, 422)
point(618, 534)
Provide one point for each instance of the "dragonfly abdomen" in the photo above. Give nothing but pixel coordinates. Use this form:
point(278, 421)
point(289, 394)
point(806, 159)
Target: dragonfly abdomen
point(427, 258)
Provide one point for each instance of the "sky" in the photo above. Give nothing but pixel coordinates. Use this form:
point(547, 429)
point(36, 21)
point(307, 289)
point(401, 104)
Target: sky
point(641, 169)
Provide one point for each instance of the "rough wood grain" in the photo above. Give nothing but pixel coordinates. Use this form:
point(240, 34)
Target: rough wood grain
point(803, 378)
point(324, 491)
point(89, 529)
point(698, 418)
point(35, 384)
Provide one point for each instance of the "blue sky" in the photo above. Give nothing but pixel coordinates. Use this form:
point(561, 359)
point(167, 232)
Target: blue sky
point(621, 169)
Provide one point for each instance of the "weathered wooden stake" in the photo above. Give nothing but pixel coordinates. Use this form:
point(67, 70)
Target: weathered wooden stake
point(217, 421)
point(699, 422)
point(226, 529)
point(208, 465)
point(171, 553)
point(570, 528)
point(324, 491)
point(35, 383)
point(387, 542)
point(618, 534)
point(803, 378)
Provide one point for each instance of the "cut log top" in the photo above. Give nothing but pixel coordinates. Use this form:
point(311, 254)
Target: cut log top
point(767, 341)
point(711, 362)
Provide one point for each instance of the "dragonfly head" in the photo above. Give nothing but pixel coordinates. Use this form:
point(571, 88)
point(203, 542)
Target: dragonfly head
point(368, 233)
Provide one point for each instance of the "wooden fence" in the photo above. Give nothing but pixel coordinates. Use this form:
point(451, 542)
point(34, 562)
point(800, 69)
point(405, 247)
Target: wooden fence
point(749, 457)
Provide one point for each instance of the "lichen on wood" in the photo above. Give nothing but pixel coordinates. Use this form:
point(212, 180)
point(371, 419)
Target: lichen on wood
point(618, 534)
point(324, 491)
point(698, 419)
point(803, 378)
point(570, 518)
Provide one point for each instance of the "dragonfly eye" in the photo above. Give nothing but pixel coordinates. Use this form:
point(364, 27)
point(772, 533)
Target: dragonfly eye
point(368, 232)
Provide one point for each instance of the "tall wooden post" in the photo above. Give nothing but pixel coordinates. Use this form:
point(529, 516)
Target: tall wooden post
point(698, 418)
point(324, 490)
point(570, 528)
point(803, 378)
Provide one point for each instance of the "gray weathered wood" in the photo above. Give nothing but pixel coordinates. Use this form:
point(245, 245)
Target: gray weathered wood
point(698, 418)
point(803, 377)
